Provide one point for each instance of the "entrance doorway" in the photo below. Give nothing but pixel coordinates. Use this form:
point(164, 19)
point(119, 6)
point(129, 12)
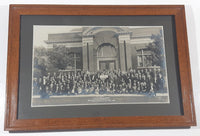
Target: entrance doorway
point(106, 57)
point(107, 65)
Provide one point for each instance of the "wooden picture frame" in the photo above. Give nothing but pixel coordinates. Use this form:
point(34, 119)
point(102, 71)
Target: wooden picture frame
point(13, 123)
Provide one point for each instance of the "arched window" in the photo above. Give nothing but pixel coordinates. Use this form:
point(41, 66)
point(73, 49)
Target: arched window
point(106, 51)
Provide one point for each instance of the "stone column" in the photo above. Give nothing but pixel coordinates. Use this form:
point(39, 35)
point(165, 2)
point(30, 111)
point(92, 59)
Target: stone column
point(88, 54)
point(133, 56)
point(124, 51)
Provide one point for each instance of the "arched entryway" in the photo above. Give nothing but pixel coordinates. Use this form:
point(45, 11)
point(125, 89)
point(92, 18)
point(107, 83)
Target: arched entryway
point(106, 57)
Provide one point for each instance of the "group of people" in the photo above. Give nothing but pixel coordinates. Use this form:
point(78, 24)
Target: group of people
point(134, 81)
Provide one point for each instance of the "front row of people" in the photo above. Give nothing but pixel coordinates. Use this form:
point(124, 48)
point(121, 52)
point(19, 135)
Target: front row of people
point(100, 83)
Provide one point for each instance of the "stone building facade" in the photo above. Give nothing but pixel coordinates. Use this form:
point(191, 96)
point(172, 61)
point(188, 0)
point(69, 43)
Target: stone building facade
point(111, 48)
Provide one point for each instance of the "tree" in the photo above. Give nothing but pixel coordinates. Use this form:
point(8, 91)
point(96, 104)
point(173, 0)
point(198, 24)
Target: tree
point(157, 50)
point(40, 66)
point(60, 58)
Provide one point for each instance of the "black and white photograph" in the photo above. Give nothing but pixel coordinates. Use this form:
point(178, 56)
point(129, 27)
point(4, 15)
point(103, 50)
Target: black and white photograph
point(98, 65)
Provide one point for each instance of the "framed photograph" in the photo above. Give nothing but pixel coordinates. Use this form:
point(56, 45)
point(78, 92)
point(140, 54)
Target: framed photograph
point(98, 67)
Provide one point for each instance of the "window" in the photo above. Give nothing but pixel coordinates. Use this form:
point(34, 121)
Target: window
point(106, 51)
point(144, 58)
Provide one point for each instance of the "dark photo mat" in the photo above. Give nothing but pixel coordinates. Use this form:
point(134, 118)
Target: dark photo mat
point(25, 72)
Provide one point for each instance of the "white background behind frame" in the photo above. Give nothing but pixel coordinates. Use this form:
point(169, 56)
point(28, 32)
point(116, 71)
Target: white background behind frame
point(193, 30)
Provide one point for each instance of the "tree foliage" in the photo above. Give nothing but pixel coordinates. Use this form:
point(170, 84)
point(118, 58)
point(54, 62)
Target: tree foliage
point(157, 49)
point(60, 57)
point(39, 68)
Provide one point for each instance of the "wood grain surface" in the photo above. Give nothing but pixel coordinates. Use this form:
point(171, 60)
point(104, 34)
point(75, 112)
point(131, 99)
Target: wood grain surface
point(14, 124)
